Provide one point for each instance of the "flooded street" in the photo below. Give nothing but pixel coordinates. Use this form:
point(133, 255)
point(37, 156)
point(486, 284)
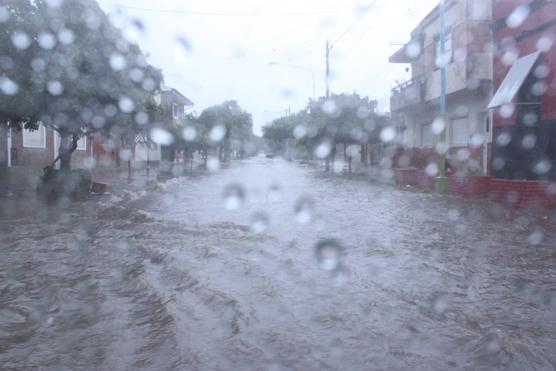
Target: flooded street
point(271, 265)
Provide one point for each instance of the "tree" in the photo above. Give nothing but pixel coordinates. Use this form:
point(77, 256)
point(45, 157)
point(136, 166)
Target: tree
point(233, 122)
point(73, 71)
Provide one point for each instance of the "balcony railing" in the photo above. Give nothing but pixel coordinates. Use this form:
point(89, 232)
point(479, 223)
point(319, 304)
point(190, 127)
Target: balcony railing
point(408, 94)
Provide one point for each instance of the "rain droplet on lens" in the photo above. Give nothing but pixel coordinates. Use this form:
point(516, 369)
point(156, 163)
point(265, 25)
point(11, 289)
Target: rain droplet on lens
point(213, 164)
point(126, 104)
point(8, 86)
point(439, 304)
point(299, 131)
point(234, 196)
point(185, 43)
point(117, 62)
point(259, 222)
point(323, 150)
point(55, 87)
point(329, 254)
point(274, 193)
point(304, 210)
point(162, 136)
point(189, 133)
point(20, 40)
point(387, 134)
point(46, 40)
point(217, 133)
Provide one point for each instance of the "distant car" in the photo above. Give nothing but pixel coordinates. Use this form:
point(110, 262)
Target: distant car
point(270, 155)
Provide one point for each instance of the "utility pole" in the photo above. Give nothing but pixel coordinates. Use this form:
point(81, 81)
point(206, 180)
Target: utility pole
point(327, 77)
point(441, 181)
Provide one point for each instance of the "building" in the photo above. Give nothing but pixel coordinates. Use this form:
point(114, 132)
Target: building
point(39, 148)
point(524, 104)
point(415, 103)
point(175, 106)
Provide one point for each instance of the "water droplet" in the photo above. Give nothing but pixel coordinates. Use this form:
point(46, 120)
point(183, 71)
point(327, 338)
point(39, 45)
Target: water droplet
point(535, 238)
point(477, 140)
point(329, 254)
point(148, 84)
point(213, 164)
point(529, 141)
point(387, 134)
point(539, 88)
point(453, 215)
point(517, 16)
point(8, 86)
point(142, 118)
point(20, 40)
point(136, 75)
point(413, 50)
point(54, 3)
point(162, 136)
point(323, 150)
point(259, 222)
point(439, 305)
point(507, 110)
point(542, 71)
point(304, 210)
point(463, 154)
point(46, 40)
point(498, 163)
point(299, 131)
point(189, 133)
point(545, 43)
point(234, 196)
point(503, 139)
point(542, 167)
point(329, 107)
point(217, 133)
point(55, 87)
point(4, 14)
point(432, 169)
point(126, 154)
point(117, 62)
point(274, 193)
point(184, 43)
point(438, 125)
point(126, 104)
point(66, 36)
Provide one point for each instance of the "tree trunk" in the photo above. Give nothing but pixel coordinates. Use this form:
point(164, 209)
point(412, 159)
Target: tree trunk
point(345, 152)
point(68, 144)
point(349, 164)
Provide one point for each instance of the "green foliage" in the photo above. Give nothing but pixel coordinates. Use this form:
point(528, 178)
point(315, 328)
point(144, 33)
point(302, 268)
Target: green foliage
point(341, 118)
point(64, 76)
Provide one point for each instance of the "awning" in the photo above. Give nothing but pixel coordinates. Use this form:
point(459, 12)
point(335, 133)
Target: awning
point(514, 80)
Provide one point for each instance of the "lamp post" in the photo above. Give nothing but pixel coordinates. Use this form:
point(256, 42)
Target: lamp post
point(298, 68)
point(441, 181)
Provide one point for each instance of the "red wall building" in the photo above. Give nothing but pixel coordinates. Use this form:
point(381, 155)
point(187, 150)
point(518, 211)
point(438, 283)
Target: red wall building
point(524, 118)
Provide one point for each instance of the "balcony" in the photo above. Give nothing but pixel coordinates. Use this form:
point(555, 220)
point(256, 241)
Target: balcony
point(408, 94)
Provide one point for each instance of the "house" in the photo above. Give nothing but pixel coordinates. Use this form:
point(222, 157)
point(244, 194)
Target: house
point(175, 106)
point(39, 148)
point(415, 103)
point(524, 103)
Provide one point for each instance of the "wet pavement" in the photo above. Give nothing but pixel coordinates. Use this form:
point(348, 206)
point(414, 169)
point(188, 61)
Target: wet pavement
point(269, 265)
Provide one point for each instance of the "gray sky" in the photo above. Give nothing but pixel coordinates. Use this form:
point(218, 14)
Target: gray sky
point(232, 44)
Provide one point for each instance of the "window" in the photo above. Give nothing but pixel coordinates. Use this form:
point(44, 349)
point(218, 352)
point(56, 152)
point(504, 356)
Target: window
point(35, 139)
point(460, 131)
point(426, 135)
point(175, 110)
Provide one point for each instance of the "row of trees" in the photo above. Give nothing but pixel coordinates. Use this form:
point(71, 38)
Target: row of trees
point(346, 119)
point(66, 66)
point(225, 128)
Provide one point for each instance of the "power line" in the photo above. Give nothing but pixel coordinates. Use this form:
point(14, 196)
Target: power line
point(350, 27)
point(226, 14)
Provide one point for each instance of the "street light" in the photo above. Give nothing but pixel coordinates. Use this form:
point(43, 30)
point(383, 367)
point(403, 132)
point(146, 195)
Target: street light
point(298, 68)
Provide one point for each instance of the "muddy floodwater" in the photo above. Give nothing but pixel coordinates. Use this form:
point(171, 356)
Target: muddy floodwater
point(270, 265)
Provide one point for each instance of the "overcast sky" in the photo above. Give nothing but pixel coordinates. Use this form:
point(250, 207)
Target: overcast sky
point(215, 50)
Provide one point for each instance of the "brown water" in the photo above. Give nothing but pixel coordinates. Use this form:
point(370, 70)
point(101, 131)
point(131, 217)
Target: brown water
point(173, 279)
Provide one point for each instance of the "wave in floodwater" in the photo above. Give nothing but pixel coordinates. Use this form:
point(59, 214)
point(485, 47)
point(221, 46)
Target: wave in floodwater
point(305, 272)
